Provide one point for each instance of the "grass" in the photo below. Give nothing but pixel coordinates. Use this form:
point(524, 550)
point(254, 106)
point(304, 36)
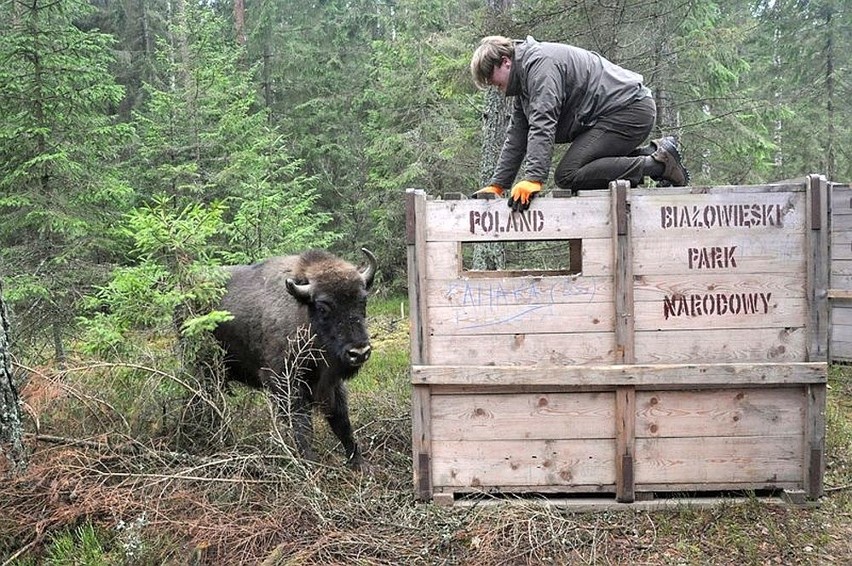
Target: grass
point(125, 495)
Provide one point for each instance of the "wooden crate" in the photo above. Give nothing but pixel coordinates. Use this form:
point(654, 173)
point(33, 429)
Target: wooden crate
point(680, 348)
point(840, 273)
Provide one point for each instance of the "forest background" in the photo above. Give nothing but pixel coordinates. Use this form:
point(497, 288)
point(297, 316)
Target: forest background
point(276, 126)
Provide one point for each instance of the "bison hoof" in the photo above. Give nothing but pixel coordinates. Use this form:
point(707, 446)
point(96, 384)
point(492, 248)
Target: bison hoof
point(359, 464)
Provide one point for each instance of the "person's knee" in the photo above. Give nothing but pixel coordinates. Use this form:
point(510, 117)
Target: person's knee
point(565, 178)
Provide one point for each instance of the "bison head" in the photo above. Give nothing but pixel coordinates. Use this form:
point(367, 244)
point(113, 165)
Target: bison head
point(335, 294)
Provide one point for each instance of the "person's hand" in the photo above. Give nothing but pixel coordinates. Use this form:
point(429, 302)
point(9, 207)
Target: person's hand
point(491, 191)
point(522, 194)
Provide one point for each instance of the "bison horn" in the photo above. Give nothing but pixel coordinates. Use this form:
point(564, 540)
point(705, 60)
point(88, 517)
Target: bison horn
point(369, 271)
point(300, 292)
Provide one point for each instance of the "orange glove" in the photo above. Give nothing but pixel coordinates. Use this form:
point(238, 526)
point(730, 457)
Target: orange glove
point(522, 194)
point(491, 191)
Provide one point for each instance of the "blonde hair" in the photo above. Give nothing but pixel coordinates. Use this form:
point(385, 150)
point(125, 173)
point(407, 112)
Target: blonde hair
point(488, 56)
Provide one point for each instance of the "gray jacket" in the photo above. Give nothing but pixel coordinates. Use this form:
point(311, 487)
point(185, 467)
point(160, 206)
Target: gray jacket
point(560, 91)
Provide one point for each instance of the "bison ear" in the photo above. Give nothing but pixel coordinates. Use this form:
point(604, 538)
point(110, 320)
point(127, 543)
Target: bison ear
point(370, 271)
point(302, 293)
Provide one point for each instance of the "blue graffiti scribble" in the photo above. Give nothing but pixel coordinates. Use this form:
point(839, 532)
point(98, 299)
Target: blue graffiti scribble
point(521, 314)
point(495, 294)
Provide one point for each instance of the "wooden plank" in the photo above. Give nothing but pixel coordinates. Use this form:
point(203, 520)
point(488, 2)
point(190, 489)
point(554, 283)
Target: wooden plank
point(723, 413)
point(445, 261)
point(778, 345)
point(842, 316)
point(694, 375)
point(839, 279)
point(523, 349)
point(789, 186)
point(839, 295)
point(655, 287)
point(814, 433)
point(841, 206)
point(625, 443)
point(734, 213)
point(841, 268)
point(681, 488)
point(720, 311)
point(575, 254)
point(842, 332)
point(415, 201)
point(625, 405)
point(518, 319)
point(476, 220)
point(818, 268)
point(841, 242)
point(418, 315)
point(840, 345)
point(718, 252)
point(530, 416)
point(421, 440)
point(486, 292)
point(623, 263)
point(718, 460)
point(443, 258)
point(583, 462)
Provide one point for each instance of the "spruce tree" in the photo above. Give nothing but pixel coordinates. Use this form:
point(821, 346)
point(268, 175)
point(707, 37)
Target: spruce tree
point(59, 193)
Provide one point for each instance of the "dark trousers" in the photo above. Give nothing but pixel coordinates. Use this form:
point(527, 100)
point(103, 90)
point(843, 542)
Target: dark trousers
point(609, 150)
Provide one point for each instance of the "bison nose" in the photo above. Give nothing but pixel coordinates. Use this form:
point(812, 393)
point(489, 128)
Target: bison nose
point(358, 356)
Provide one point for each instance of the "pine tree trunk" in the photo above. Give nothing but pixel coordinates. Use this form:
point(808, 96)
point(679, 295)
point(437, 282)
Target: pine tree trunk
point(495, 119)
point(240, 21)
point(12, 456)
point(830, 149)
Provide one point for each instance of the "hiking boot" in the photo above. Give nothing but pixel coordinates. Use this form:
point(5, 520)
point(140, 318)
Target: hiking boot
point(665, 139)
point(667, 154)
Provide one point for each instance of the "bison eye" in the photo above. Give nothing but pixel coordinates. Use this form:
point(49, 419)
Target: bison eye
point(324, 309)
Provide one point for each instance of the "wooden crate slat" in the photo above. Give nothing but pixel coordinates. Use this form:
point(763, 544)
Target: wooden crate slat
point(787, 344)
point(656, 287)
point(842, 315)
point(841, 268)
point(840, 272)
point(487, 291)
point(523, 462)
point(735, 214)
point(517, 319)
point(523, 349)
point(841, 206)
point(475, 220)
point(541, 416)
point(732, 375)
point(726, 412)
point(719, 460)
point(721, 311)
point(679, 255)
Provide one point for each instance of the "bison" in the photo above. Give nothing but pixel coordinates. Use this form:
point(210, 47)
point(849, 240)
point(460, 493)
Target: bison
point(276, 304)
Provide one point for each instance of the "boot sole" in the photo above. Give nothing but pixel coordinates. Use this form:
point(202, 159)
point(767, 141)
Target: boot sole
point(670, 147)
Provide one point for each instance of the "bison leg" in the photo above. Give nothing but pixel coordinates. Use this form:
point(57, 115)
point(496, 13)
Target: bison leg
point(337, 416)
point(293, 406)
point(303, 427)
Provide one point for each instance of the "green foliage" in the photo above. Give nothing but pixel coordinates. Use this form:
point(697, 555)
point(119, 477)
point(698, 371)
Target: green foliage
point(80, 547)
point(273, 205)
point(203, 135)
point(176, 284)
point(58, 144)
